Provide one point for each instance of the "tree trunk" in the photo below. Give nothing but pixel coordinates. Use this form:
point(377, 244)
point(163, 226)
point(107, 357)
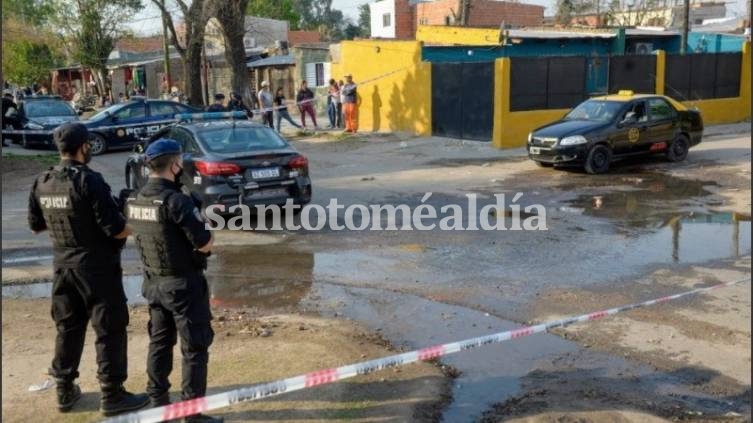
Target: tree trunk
point(232, 20)
point(192, 67)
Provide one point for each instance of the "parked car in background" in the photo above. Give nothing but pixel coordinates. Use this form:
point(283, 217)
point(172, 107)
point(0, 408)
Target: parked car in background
point(604, 129)
point(37, 117)
point(123, 125)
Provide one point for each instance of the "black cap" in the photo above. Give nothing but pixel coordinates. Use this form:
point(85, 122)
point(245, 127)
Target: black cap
point(219, 96)
point(70, 136)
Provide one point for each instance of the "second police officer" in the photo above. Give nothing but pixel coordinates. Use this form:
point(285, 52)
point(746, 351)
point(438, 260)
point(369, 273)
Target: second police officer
point(173, 242)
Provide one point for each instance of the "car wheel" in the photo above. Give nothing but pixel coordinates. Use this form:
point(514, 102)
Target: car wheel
point(543, 164)
point(678, 150)
point(598, 159)
point(98, 143)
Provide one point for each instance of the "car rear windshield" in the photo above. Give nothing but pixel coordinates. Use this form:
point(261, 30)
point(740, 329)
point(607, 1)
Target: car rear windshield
point(233, 140)
point(42, 108)
point(596, 110)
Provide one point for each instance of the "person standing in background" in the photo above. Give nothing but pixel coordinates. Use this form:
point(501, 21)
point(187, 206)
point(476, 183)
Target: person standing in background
point(305, 100)
point(350, 104)
point(266, 101)
point(335, 105)
point(282, 110)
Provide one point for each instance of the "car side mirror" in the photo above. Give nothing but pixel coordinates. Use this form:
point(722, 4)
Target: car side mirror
point(138, 148)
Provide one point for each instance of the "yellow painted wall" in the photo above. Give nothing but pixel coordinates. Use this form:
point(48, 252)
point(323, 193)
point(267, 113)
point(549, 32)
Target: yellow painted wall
point(394, 86)
point(449, 35)
point(511, 128)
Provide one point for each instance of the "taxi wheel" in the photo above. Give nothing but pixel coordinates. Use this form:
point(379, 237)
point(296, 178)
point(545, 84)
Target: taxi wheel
point(99, 145)
point(598, 159)
point(678, 150)
point(543, 164)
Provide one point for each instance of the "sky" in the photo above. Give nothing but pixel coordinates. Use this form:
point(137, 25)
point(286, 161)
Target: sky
point(148, 21)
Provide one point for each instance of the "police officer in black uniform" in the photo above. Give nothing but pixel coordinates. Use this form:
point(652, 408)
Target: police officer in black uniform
point(217, 106)
point(236, 105)
point(88, 231)
point(173, 241)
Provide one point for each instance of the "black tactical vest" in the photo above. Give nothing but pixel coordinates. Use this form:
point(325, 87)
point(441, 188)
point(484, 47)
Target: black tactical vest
point(70, 219)
point(165, 250)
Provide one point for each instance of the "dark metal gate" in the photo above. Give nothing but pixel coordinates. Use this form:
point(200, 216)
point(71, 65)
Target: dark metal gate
point(462, 100)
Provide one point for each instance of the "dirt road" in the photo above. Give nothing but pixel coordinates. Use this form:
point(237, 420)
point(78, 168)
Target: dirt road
point(656, 228)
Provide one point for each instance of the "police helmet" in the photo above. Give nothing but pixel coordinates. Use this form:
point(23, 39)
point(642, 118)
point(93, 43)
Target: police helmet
point(219, 96)
point(161, 147)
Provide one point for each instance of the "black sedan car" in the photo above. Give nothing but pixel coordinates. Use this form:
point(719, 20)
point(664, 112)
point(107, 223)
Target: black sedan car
point(36, 117)
point(231, 162)
point(608, 128)
point(126, 124)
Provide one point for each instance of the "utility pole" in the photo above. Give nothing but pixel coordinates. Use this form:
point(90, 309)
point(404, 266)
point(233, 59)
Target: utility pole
point(465, 11)
point(166, 46)
point(685, 26)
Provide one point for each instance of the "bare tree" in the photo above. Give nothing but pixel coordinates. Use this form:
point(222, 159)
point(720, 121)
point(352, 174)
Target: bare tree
point(189, 42)
point(231, 14)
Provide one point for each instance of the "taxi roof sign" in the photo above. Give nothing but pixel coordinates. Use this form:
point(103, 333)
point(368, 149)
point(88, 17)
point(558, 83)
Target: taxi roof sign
point(626, 93)
point(210, 116)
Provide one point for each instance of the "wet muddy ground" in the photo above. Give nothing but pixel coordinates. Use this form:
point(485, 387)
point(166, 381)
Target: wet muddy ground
point(625, 234)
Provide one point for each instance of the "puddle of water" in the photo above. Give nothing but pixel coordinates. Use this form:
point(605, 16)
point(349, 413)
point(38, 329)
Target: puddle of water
point(489, 374)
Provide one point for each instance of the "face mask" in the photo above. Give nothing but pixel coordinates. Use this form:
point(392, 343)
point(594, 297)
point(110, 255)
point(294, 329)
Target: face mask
point(178, 174)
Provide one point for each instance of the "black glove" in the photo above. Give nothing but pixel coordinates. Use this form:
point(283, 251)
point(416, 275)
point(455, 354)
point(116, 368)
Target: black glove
point(198, 200)
point(200, 259)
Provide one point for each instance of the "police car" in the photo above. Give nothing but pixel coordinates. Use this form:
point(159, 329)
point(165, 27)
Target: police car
point(36, 118)
point(603, 129)
point(126, 124)
point(230, 160)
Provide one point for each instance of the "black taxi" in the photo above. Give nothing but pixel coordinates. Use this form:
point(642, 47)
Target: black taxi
point(604, 129)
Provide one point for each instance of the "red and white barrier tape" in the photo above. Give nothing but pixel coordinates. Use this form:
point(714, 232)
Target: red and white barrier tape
point(321, 377)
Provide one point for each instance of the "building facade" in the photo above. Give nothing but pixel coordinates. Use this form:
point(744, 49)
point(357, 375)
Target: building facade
point(399, 19)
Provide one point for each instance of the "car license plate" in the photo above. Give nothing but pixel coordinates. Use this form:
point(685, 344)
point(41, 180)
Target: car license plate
point(273, 172)
point(535, 150)
point(268, 193)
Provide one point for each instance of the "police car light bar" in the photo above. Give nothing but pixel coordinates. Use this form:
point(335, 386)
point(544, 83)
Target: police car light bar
point(210, 116)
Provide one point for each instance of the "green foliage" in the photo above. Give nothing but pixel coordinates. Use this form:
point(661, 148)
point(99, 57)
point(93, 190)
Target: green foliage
point(281, 9)
point(26, 62)
point(94, 26)
point(364, 20)
point(32, 12)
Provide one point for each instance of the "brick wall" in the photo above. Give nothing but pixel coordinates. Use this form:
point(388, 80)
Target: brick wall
point(405, 20)
point(484, 13)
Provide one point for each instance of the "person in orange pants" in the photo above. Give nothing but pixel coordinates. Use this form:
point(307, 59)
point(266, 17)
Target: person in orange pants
point(350, 104)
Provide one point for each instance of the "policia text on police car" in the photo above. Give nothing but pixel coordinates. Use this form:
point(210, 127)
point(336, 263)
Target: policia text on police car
point(88, 231)
point(174, 243)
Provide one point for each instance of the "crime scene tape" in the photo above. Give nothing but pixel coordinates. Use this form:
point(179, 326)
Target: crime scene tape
point(322, 377)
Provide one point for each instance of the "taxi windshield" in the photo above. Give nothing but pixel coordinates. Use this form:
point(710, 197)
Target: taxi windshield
point(595, 110)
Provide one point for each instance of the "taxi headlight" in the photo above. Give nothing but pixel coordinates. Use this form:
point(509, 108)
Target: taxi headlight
point(574, 140)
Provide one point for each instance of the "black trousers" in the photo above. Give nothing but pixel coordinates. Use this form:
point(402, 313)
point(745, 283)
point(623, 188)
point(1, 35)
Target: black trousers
point(81, 295)
point(178, 306)
point(267, 119)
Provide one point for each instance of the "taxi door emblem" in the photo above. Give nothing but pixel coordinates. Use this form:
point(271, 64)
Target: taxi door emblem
point(120, 132)
point(634, 134)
